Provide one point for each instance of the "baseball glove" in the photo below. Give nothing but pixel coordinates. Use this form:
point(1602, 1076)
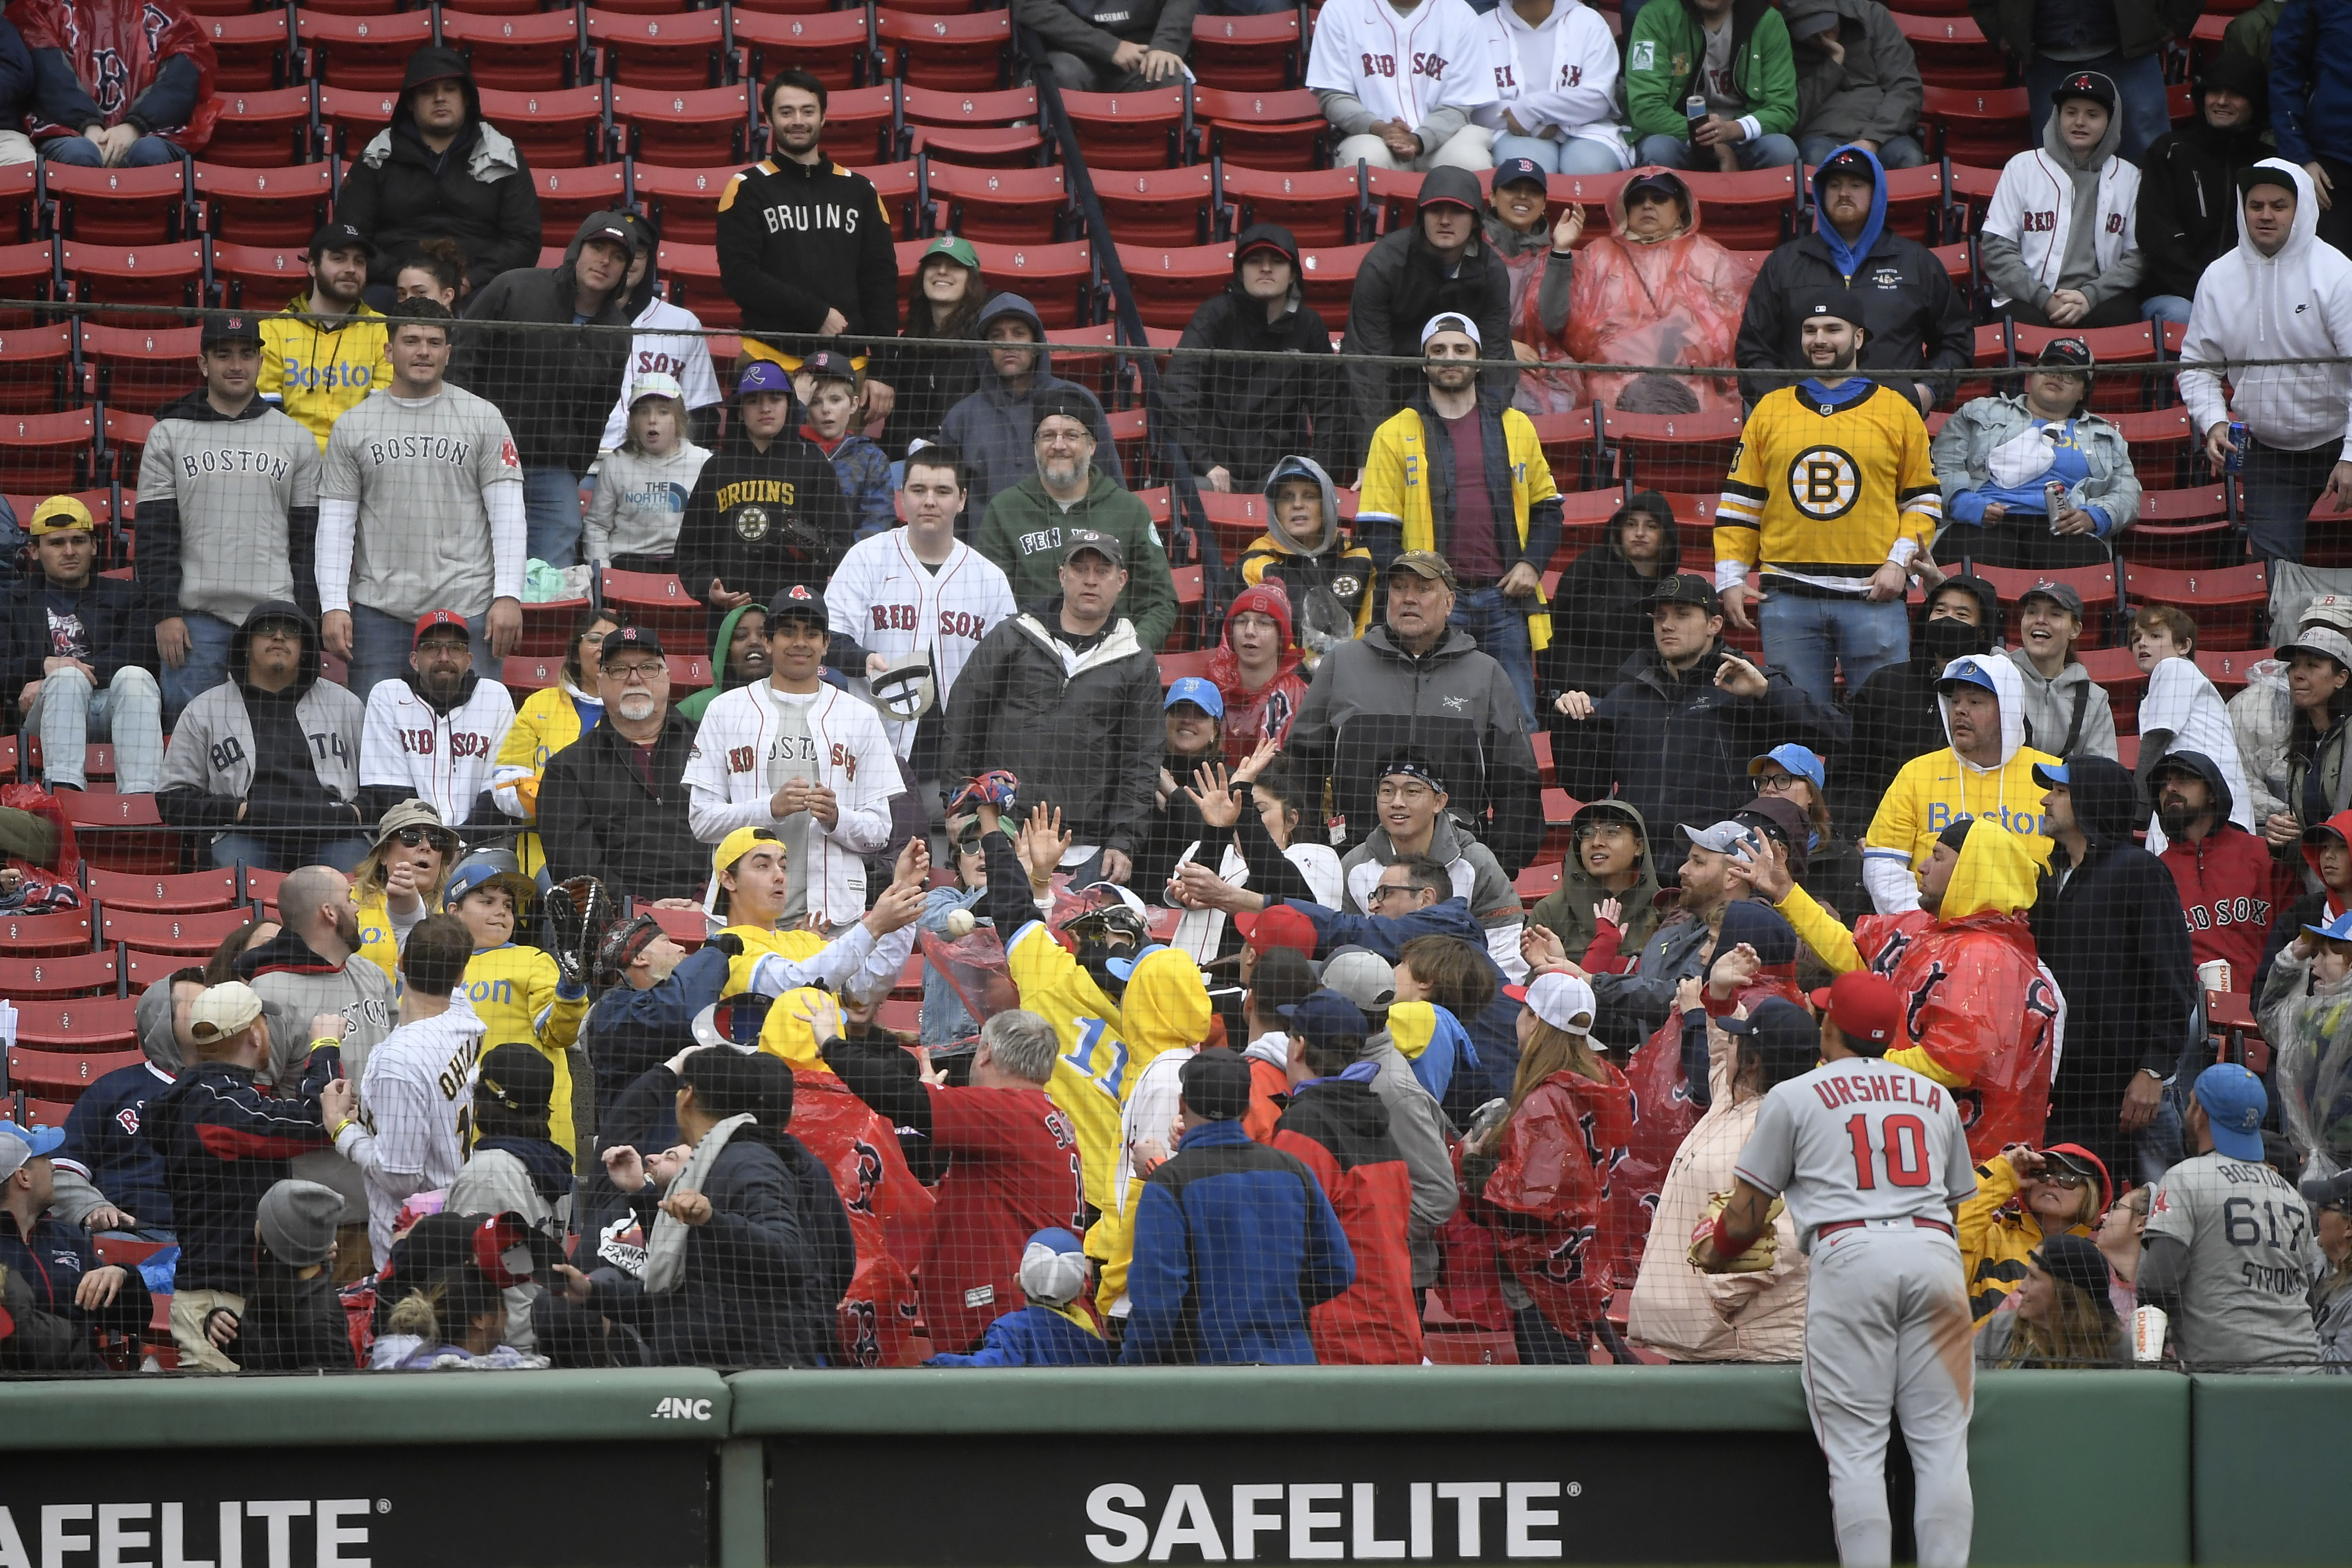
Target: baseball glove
point(1761, 1252)
point(996, 788)
point(580, 916)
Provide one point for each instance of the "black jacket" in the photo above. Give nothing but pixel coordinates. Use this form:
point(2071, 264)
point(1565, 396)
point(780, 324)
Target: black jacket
point(113, 616)
point(760, 521)
point(1915, 316)
point(1676, 748)
point(1247, 416)
point(761, 1275)
point(1092, 29)
point(797, 240)
point(1088, 741)
point(629, 1032)
point(555, 387)
point(292, 1324)
point(224, 1143)
point(49, 1264)
point(159, 520)
point(1597, 619)
point(2187, 213)
point(597, 818)
point(1403, 283)
point(478, 193)
point(928, 381)
point(2112, 934)
point(1896, 715)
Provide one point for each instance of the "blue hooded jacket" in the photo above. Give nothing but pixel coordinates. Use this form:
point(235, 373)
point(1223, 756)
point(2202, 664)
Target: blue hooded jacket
point(1848, 256)
point(2311, 81)
point(1033, 1336)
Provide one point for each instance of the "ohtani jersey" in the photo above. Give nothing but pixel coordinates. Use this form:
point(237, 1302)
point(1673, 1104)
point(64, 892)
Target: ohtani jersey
point(1859, 1139)
point(1404, 66)
point(887, 602)
point(414, 1098)
point(419, 470)
point(728, 783)
point(1827, 490)
point(447, 759)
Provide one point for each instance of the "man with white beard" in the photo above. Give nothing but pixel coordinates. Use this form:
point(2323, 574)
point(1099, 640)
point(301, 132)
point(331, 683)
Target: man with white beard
point(613, 805)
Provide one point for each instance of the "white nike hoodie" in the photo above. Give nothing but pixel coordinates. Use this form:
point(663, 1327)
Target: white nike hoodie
point(2297, 304)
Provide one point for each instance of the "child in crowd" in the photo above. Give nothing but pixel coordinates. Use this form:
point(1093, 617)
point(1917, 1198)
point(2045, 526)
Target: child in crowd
point(294, 1320)
point(450, 1325)
point(827, 383)
point(641, 487)
point(1059, 1327)
point(2182, 712)
point(518, 992)
point(2306, 1015)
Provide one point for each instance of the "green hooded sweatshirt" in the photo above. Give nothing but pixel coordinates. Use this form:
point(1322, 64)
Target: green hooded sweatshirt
point(1023, 534)
point(1569, 911)
point(721, 677)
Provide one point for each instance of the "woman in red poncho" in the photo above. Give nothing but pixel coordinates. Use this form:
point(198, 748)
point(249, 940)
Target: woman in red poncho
point(116, 84)
point(1652, 291)
point(1538, 1180)
point(1257, 672)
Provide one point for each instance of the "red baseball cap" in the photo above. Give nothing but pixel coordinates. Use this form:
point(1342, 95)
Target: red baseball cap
point(1282, 926)
point(1864, 1006)
point(432, 618)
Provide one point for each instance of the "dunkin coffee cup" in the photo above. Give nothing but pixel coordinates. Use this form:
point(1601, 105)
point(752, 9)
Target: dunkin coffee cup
point(2148, 1324)
point(2214, 973)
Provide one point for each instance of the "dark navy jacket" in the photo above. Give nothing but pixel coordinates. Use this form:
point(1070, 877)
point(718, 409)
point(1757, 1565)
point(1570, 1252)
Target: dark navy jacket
point(630, 1032)
point(52, 1261)
point(223, 1144)
point(1033, 1336)
point(103, 1146)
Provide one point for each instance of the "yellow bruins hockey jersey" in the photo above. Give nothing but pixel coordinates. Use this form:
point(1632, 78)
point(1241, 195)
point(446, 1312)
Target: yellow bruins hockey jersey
point(1827, 489)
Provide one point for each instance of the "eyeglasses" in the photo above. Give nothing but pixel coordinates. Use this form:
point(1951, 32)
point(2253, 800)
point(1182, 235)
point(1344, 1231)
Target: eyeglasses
point(594, 639)
point(1777, 784)
point(2059, 1177)
point(1383, 889)
point(415, 838)
point(636, 674)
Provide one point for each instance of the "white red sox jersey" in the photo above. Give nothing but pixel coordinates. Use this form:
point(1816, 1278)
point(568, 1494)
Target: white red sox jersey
point(2035, 205)
point(1403, 67)
point(414, 1100)
point(838, 743)
point(447, 759)
point(669, 341)
point(886, 601)
point(1859, 1139)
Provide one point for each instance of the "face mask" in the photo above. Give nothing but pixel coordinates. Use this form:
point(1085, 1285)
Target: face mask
point(1942, 641)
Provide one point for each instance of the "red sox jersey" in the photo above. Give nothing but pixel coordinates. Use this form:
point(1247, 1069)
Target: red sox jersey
point(446, 759)
point(1404, 66)
point(1859, 1139)
point(887, 602)
point(2034, 205)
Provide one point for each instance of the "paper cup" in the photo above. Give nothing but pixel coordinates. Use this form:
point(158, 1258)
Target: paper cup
point(2148, 1324)
point(2214, 973)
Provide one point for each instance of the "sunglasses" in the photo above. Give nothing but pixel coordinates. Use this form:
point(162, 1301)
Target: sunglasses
point(2059, 1176)
point(412, 838)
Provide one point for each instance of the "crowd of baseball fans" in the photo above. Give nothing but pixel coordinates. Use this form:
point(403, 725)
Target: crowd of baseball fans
point(564, 1038)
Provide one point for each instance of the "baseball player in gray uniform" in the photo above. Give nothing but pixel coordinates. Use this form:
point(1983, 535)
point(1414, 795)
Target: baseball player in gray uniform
point(1872, 1164)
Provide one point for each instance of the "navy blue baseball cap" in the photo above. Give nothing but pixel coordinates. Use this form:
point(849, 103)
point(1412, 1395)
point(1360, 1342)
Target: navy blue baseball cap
point(1323, 1016)
point(1202, 694)
point(2235, 1103)
point(1511, 170)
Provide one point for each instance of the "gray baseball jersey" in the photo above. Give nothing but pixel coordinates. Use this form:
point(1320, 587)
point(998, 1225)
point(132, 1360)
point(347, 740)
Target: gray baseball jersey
point(418, 470)
point(2252, 1259)
point(232, 481)
point(1859, 1139)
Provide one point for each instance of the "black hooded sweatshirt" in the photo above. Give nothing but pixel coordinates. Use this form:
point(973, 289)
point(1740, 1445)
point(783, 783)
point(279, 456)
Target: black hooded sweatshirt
point(1247, 416)
point(2187, 215)
point(1896, 715)
point(415, 193)
point(1597, 619)
point(2111, 931)
point(798, 240)
point(555, 388)
point(760, 521)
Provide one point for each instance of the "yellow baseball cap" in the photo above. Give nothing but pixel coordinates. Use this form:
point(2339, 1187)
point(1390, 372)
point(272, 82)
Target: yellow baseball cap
point(61, 514)
point(737, 844)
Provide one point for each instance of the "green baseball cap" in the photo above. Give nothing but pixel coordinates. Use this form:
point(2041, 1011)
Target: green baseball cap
point(959, 251)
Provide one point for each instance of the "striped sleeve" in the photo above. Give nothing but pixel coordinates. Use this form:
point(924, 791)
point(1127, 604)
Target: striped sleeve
point(1739, 511)
point(1917, 495)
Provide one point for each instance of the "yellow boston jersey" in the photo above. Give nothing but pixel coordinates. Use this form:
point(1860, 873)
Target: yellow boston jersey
point(782, 1033)
point(1934, 791)
point(1825, 490)
point(513, 991)
point(1090, 1080)
point(1165, 1008)
point(318, 368)
point(1397, 490)
point(549, 719)
point(379, 943)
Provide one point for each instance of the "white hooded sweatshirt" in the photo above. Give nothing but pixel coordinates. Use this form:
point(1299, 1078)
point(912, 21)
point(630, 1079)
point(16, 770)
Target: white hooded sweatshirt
point(2297, 304)
point(1559, 80)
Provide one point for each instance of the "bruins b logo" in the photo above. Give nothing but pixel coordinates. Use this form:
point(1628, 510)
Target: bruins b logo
point(1823, 483)
point(751, 523)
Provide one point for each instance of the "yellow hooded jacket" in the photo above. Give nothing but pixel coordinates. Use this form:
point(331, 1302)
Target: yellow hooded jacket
point(1166, 1008)
point(318, 368)
point(513, 990)
point(1396, 488)
point(782, 1034)
point(1994, 1244)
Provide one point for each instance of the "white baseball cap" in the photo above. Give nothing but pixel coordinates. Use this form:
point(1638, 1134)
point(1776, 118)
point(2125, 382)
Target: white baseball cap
point(655, 384)
point(1563, 1001)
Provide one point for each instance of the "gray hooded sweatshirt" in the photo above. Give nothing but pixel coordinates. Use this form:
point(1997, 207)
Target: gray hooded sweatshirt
point(2052, 706)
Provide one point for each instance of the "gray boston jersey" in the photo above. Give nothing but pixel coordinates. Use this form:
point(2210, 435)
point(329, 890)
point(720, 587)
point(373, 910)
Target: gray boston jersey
point(1859, 1139)
point(2252, 1259)
point(418, 470)
point(232, 481)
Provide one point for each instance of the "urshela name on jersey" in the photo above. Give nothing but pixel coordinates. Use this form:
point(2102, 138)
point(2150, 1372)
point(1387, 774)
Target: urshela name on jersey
point(808, 217)
point(233, 460)
point(1907, 1087)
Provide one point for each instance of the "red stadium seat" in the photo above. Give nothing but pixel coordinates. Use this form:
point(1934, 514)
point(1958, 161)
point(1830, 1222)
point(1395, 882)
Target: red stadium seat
point(687, 673)
point(521, 674)
point(860, 125)
point(692, 273)
point(1127, 130)
point(2228, 602)
point(1001, 206)
point(125, 435)
point(73, 974)
point(26, 936)
point(1953, 51)
point(1329, 277)
point(277, 207)
point(1320, 206)
point(688, 928)
point(1915, 202)
point(1171, 284)
point(20, 214)
point(671, 50)
point(1269, 129)
point(703, 126)
point(1246, 54)
point(261, 887)
point(984, 147)
point(194, 935)
point(805, 8)
point(660, 602)
point(249, 48)
point(28, 272)
point(349, 117)
point(198, 892)
point(1567, 438)
point(1752, 210)
point(1979, 126)
point(41, 454)
point(1237, 517)
point(836, 47)
point(2158, 438)
point(933, 106)
point(358, 8)
point(567, 196)
point(684, 201)
point(263, 130)
point(2097, 584)
point(35, 366)
point(2229, 668)
point(1156, 206)
point(555, 129)
point(258, 279)
point(2133, 343)
point(141, 970)
point(61, 1074)
point(1969, 191)
point(958, 53)
point(1672, 451)
point(168, 276)
point(366, 53)
point(1057, 279)
point(516, 53)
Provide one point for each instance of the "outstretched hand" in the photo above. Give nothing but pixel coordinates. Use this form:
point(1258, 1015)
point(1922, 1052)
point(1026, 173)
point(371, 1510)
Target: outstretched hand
point(1212, 795)
point(1043, 843)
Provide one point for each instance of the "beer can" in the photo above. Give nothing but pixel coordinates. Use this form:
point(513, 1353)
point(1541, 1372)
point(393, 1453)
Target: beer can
point(2053, 502)
point(2148, 1324)
point(2236, 461)
point(1695, 107)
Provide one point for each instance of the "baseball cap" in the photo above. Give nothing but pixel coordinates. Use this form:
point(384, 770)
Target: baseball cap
point(1969, 669)
point(60, 514)
point(1796, 760)
point(1863, 1007)
point(329, 237)
point(1682, 588)
point(1324, 1016)
point(518, 1078)
point(1725, 837)
point(2092, 85)
point(654, 384)
point(739, 843)
point(2267, 172)
point(1283, 925)
point(1077, 541)
point(2083, 1163)
point(798, 603)
point(2329, 610)
point(763, 375)
point(734, 1022)
point(829, 364)
point(1811, 21)
point(1411, 765)
point(954, 248)
point(1362, 976)
point(2337, 930)
point(1562, 1000)
point(2053, 776)
point(1779, 818)
point(226, 327)
point(223, 1012)
point(2058, 594)
point(2235, 1102)
point(2320, 1192)
point(18, 1144)
point(1658, 183)
point(1216, 1085)
point(633, 640)
point(614, 230)
point(414, 813)
point(1782, 1033)
point(1512, 170)
point(1066, 403)
point(485, 868)
point(297, 1221)
point(1449, 321)
point(2326, 641)
point(1202, 694)
point(1427, 563)
point(2078, 1261)
point(1053, 1266)
point(2065, 353)
point(435, 620)
point(1837, 302)
point(1262, 242)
